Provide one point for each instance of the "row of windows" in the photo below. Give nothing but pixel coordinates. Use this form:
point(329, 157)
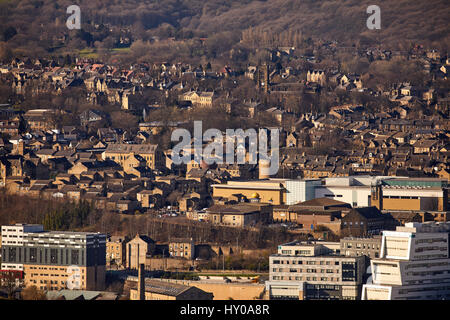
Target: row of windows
point(356, 223)
point(14, 254)
point(48, 275)
point(426, 265)
point(432, 256)
point(47, 268)
point(305, 270)
point(425, 289)
point(308, 262)
point(305, 278)
point(431, 240)
point(430, 248)
point(349, 245)
point(399, 197)
point(430, 273)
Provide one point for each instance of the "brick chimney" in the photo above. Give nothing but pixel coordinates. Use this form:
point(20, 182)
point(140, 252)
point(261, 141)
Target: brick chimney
point(141, 283)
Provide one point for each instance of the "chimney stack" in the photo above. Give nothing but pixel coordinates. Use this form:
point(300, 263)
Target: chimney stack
point(141, 283)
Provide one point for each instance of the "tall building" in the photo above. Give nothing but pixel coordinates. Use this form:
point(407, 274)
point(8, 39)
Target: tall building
point(314, 271)
point(54, 260)
point(414, 264)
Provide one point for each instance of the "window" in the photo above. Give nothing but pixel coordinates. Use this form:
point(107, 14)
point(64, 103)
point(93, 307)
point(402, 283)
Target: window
point(74, 257)
point(53, 255)
point(33, 255)
point(12, 254)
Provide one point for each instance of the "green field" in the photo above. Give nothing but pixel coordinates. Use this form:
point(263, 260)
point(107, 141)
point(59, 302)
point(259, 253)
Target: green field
point(88, 53)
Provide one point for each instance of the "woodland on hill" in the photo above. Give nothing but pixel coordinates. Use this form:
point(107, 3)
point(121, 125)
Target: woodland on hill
point(37, 27)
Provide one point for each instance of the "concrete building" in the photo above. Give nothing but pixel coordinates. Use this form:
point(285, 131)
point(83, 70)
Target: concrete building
point(414, 264)
point(12, 236)
point(138, 249)
point(361, 246)
point(367, 247)
point(354, 190)
point(314, 271)
point(54, 260)
point(300, 190)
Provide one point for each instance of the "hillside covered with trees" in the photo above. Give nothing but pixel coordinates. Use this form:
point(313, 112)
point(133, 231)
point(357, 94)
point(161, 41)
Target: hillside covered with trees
point(36, 27)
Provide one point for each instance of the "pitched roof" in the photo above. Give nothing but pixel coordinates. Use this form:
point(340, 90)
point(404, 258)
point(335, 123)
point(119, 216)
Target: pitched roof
point(145, 238)
point(73, 295)
point(165, 288)
point(129, 148)
point(368, 212)
point(322, 202)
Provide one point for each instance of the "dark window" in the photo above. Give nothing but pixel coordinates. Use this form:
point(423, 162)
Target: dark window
point(53, 255)
point(33, 254)
point(349, 271)
point(12, 254)
point(74, 257)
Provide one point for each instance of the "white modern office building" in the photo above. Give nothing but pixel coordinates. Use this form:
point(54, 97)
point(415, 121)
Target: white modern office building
point(314, 271)
point(414, 264)
point(13, 236)
point(354, 190)
point(300, 190)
